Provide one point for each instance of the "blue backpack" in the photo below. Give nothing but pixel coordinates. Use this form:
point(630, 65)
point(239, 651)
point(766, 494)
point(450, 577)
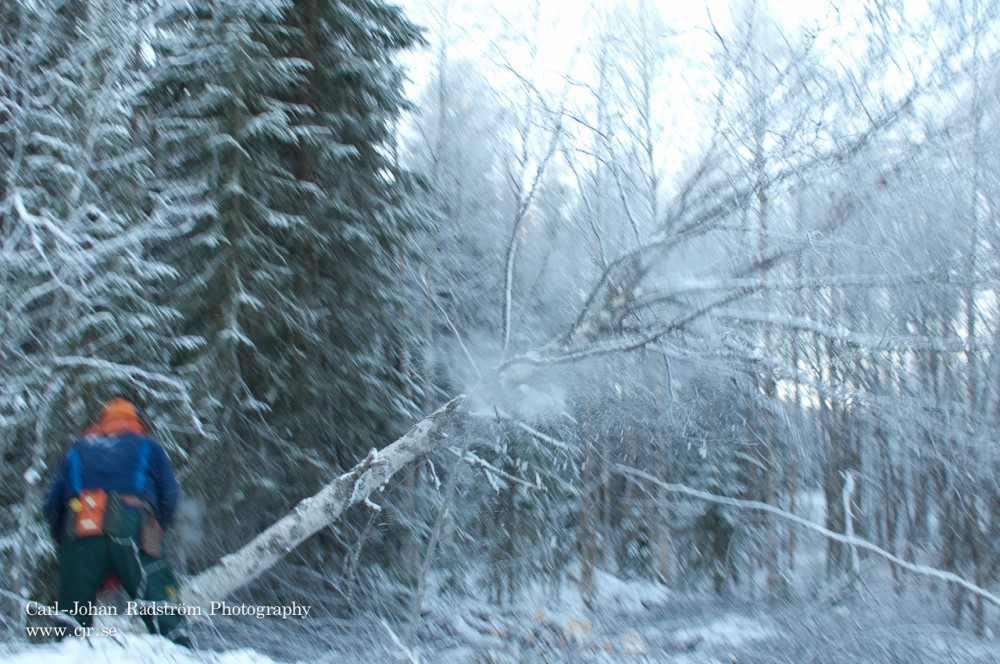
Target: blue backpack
point(96, 511)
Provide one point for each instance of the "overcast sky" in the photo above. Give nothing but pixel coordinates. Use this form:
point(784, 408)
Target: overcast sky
point(480, 30)
point(488, 31)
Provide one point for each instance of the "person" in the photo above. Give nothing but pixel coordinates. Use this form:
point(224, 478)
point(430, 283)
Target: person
point(110, 502)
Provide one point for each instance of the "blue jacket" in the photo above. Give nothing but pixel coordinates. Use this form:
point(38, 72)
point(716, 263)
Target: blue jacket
point(129, 463)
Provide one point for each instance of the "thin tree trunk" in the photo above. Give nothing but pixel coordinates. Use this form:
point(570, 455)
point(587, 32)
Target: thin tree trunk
point(586, 536)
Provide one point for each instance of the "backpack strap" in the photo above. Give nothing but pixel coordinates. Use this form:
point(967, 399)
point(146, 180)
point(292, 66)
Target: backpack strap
point(76, 471)
point(142, 470)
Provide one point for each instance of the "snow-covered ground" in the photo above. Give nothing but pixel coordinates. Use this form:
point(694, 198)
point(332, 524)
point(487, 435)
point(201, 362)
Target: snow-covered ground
point(631, 621)
point(127, 649)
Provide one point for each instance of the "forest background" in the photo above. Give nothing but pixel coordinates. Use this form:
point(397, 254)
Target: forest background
point(693, 283)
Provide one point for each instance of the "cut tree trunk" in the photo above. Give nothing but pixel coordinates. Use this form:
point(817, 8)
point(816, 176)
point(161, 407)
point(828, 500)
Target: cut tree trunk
point(309, 516)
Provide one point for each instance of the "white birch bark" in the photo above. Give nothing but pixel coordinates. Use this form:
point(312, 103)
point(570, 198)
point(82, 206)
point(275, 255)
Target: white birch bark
point(309, 516)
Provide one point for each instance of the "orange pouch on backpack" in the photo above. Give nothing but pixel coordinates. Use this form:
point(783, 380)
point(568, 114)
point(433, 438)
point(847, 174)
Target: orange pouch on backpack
point(90, 507)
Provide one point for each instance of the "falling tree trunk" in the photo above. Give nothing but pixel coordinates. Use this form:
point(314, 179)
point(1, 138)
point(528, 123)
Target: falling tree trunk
point(260, 554)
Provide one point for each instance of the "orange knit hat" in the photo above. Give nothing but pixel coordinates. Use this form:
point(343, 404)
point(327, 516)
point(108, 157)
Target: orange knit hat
point(119, 416)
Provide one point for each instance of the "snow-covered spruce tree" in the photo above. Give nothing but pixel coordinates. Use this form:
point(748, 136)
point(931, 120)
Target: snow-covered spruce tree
point(353, 385)
point(221, 122)
point(79, 324)
point(360, 209)
point(273, 124)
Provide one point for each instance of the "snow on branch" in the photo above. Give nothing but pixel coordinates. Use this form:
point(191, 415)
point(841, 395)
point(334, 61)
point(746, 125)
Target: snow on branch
point(538, 435)
point(887, 342)
point(492, 472)
point(849, 540)
point(623, 344)
point(625, 272)
point(575, 344)
point(928, 278)
point(533, 432)
point(309, 516)
point(132, 371)
point(588, 336)
point(915, 404)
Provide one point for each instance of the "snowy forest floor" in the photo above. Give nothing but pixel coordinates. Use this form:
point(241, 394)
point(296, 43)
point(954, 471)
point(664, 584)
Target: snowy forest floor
point(631, 622)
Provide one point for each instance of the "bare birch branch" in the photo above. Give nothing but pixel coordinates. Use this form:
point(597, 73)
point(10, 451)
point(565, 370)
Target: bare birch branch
point(849, 540)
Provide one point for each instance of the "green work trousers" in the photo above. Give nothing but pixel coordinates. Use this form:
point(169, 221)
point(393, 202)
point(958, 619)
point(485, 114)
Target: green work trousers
point(84, 562)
